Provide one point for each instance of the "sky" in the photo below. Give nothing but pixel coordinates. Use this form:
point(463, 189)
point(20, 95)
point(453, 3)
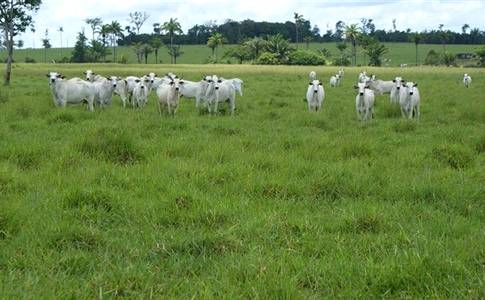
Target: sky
point(415, 14)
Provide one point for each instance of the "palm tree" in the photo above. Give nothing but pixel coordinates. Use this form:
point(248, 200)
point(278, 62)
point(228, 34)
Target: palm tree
point(351, 33)
point(279, 46)
point(104, 32)
point(172, 27)
point(137, 48)
point(416, 39)
point(156, 44)
point(61, 30)
point(146, 49)
point(214, 41)
point(175, 52)
point(95, 24)
point(115, 31)
point(298, 20)
point(255, 45)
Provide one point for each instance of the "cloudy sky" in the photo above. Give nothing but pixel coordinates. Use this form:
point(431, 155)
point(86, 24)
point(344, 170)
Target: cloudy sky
point(414, 14)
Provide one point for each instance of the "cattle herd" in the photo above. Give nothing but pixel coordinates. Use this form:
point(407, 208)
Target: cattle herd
point(213, 90)
point(402, 92)
point(99, 90)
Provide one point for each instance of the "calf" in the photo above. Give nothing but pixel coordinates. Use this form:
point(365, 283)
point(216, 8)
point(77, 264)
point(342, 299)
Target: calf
point(335, 80)
point(467, 80)
point(315, 95)
point(364, 102)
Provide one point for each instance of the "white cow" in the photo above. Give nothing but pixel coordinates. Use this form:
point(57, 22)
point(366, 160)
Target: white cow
point(363, 78)
point(467, 80)
point(237, 83)
point(92, 77)
point(192, 89)
point(380, 87)
point(122, 90)
point(140, 93)
point(70, 91)
point(224, 90)
point(168, 96)
point(396, 89)
point(341, 73)
point(315, 95)
point(313, 75)
point(335, 80)
point(104, 90)
point(409, 100)
point(364, 102)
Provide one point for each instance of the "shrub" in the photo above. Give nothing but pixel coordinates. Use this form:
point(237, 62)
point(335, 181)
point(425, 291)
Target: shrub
point(342, 61)
point(306, 58)
point(64, 60)
point(123, 59)
point(30, 60)
point(432, 58)
point(448, 58)
point(267, 58)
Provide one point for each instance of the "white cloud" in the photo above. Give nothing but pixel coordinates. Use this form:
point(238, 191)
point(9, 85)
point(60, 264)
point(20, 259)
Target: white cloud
point(414, 14)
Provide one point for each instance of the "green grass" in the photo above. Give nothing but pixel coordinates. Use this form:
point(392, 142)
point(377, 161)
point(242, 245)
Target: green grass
point(274, 202)
point(399, 53)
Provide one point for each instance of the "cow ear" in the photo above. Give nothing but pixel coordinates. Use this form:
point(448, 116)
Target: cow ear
point(48, 75)
point(126, 82)
point(310, 83)
point(356, 87)
point(85, 73)
point(63, 77)
point(319, 83)
point(394, 80)
point(415, 85)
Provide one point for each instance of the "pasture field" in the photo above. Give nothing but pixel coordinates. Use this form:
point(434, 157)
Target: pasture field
point(274, 202)
point(399, 53)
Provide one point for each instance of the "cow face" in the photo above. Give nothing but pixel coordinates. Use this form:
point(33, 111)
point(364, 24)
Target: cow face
point(53, 76)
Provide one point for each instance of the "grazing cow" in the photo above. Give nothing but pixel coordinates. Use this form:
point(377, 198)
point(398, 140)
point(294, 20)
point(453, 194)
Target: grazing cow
point(70, 91)
point(380, 87)
point(140, 93)
point(315, 95)
point(409, 100)
point(104, 90)
point(364, 102)
point(396, 89)
point(92, 77)
point(313, 75)
point(168, 96)
point(335, 80)
point(237, 83)
point(467, 80)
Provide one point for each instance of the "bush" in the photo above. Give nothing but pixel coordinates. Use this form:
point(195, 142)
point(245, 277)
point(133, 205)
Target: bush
point(448, 58)
point(341, 61)
point(432, 58)
point(64, 60)
point(267, 58)
point(305, 58)
point(30, 60)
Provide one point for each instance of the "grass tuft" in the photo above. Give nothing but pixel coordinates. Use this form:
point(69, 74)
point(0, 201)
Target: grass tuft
point(404, 126)
point(112, 145)
point(456, 156)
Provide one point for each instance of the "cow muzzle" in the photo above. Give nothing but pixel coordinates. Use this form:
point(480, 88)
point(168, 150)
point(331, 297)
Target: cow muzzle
point(362, 94)
point(411, 93)
point(315, 91)
point(53, 80)
point(216, 87)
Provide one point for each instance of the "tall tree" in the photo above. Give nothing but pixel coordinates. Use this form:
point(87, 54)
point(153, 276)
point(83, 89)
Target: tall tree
point(416, 39)
point(46, 44)
point(298, 20)
point(214, 42)
point(15, 17)
point(80, 52)
point(138, 18)
point(145, 50)
point(115, 31)
point(175, 52)
point(443, 36)
point(351, 33)
point(156, 44)
point(307, 41)
point(137, 48)
point(105, 32)
point(172, 27)
point(61, 30)
point(464, 28)
point(95, 24)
